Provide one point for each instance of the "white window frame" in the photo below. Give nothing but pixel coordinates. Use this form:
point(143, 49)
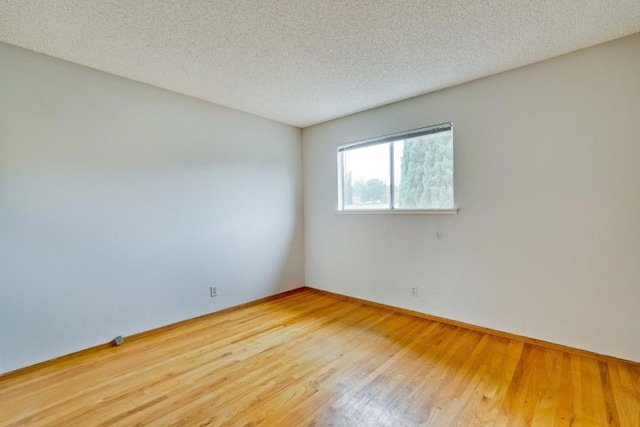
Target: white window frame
point(389, 139)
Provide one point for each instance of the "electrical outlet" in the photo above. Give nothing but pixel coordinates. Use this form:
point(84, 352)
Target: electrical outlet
point(213, 291)
point(414, 291)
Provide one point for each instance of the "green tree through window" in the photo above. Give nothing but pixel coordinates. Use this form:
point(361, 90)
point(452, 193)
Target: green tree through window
point(427, 172)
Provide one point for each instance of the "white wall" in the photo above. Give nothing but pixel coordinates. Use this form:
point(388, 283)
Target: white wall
point(547, 176)
point(121, 203)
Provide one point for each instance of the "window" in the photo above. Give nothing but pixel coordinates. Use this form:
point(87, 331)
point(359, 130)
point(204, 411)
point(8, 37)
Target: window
point(407, 171)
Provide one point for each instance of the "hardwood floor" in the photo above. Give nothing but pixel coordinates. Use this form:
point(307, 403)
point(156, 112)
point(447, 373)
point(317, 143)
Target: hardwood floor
point(311, 359)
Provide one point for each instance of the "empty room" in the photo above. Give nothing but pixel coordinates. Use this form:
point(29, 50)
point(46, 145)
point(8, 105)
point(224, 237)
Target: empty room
point(322, 212)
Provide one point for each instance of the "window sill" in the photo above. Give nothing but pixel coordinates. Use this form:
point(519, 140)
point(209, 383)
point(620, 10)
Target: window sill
point(453, 211)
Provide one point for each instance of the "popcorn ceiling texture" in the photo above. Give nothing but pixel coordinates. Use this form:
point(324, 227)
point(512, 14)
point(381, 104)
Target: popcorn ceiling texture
point(304, 62)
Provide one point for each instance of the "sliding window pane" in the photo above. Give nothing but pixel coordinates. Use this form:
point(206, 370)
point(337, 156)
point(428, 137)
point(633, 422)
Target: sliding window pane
point(423, 172)
point(366, 177)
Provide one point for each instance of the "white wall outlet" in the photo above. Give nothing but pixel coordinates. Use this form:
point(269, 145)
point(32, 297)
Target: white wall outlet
point(213, 291)
point(414, 291)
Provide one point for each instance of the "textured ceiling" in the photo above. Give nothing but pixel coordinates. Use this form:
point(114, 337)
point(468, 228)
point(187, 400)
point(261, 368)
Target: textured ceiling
point(304, 62)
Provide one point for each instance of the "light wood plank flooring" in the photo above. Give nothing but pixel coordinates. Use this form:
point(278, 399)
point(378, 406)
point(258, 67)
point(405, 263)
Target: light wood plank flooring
point(311, 359)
